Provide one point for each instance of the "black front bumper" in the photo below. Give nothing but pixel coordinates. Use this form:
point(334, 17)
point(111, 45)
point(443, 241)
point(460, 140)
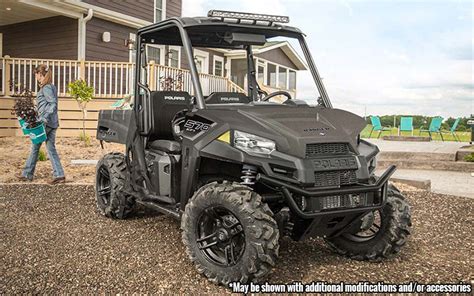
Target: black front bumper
point(379, 189)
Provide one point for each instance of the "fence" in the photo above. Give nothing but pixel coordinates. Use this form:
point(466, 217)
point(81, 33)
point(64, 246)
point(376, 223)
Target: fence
point(109, 79)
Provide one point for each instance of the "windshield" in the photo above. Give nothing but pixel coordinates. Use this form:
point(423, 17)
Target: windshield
point(236, 68)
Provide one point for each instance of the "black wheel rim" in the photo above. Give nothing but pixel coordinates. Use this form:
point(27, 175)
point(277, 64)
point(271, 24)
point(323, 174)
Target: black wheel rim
point(103, 185)
point(373, 225)
point(220, 236)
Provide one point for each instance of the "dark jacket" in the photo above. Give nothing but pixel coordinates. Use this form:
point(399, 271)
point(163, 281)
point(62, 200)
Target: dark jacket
point(47, 102)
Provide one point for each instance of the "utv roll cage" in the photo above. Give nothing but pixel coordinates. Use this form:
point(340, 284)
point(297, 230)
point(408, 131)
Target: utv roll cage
point(220, 29)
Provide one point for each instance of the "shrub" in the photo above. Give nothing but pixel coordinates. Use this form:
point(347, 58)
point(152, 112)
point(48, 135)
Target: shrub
point(82, 93)
point(469, 157)
point(42, 155)
point(83, 137)
point(25, 108)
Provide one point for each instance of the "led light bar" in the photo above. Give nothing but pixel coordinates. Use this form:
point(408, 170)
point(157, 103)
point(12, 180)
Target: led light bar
point(248, 16)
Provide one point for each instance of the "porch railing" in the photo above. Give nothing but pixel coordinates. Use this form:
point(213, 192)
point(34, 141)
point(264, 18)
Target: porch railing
point(109, 79)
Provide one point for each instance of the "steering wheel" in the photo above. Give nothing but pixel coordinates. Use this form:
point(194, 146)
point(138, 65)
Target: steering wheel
point(278, 93)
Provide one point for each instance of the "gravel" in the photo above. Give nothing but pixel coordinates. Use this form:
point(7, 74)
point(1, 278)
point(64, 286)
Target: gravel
point(53, 241)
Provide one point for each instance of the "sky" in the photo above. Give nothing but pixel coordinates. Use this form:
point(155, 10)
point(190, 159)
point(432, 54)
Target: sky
point(380, 57)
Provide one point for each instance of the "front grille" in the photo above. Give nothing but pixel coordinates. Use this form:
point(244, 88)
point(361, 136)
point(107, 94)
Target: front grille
point(317, 149)
point(335, 178)
point(344, 201)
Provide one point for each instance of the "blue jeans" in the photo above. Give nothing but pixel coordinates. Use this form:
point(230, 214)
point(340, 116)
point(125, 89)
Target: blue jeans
point(30, 165)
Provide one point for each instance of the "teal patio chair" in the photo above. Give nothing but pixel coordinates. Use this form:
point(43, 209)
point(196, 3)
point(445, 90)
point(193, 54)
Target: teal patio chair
point(452, 130)
point(435, 127)
point(406, 125)
point(377, 126)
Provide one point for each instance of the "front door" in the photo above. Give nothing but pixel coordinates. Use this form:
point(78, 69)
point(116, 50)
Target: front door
point(201, 59)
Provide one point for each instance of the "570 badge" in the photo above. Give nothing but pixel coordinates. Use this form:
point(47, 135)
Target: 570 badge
point(196, 126)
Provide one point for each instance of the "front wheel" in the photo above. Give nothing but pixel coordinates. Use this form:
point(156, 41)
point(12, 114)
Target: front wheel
point(381, 234)
point(229, 233)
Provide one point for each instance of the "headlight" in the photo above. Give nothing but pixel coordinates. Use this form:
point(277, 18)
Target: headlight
point(253, 144)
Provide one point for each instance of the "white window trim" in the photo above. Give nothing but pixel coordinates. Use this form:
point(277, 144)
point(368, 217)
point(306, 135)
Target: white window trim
point(163, 10)
point(296, 79)
point(220, 59)
point(205, 55)
point(162, 52)
point(1, 45)
point(260, 62)
point(278, 66)
point(132, 36)
point(178, 48)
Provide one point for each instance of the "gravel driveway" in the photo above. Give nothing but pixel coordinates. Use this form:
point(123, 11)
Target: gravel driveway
point(53, 241)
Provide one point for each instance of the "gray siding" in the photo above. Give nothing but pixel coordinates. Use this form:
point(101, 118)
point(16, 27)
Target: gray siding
point(277, 56)
point(142, 9)
point(48, 38)
point(173, 8)
point(115, 50)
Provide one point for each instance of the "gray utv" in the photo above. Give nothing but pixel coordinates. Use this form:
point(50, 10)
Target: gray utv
point(239, 170)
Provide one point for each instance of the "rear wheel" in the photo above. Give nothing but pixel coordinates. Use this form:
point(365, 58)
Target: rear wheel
point(381, 234)
point(229, 233)
point(111, 178)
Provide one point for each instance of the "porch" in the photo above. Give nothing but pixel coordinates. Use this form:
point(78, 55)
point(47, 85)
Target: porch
point(110, 80)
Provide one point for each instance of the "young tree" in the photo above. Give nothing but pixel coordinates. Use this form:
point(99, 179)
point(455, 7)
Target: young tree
point(82, 93)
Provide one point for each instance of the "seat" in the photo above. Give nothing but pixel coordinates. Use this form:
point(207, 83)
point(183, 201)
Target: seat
point(227, 98)
point(165, 105)
point(377, 126)
point(453, 128)
point(435, 127)
point(171, 147)
point(406, 125)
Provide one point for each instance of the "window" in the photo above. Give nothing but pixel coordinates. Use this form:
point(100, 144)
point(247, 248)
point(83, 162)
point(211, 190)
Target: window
point(282, 77)
point(239, 72)
point(292, 82)
point(155, 53)
point(218, 66)
point(272, 75)
point(160, 10)
point(201, 59)
point(174, 56)
point(261, 74)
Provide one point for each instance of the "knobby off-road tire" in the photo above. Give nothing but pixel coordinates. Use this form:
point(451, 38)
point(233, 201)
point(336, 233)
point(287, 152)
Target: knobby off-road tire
point(257, 234)
point(387, 242)
point(111, 178)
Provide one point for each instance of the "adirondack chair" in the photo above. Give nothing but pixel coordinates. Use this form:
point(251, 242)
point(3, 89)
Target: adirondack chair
point(435, 127)
point(406, 125)
point(377, 126)
point(452, 130)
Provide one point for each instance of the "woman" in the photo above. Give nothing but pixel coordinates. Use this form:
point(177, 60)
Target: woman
point(47, 102)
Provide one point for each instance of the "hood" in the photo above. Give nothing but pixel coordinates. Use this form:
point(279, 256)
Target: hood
point(292, 127)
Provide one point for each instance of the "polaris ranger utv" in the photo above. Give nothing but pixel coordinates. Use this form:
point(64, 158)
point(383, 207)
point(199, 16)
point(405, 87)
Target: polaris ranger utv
point(240, 170)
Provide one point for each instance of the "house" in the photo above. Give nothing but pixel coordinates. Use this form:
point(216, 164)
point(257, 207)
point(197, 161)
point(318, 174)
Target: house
point(93, 40)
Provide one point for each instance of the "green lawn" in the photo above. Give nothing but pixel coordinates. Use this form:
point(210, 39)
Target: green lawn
point(463, 136)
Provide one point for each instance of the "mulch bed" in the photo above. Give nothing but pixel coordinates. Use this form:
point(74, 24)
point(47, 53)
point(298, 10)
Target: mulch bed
point(53, 241)
point(15, 150)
